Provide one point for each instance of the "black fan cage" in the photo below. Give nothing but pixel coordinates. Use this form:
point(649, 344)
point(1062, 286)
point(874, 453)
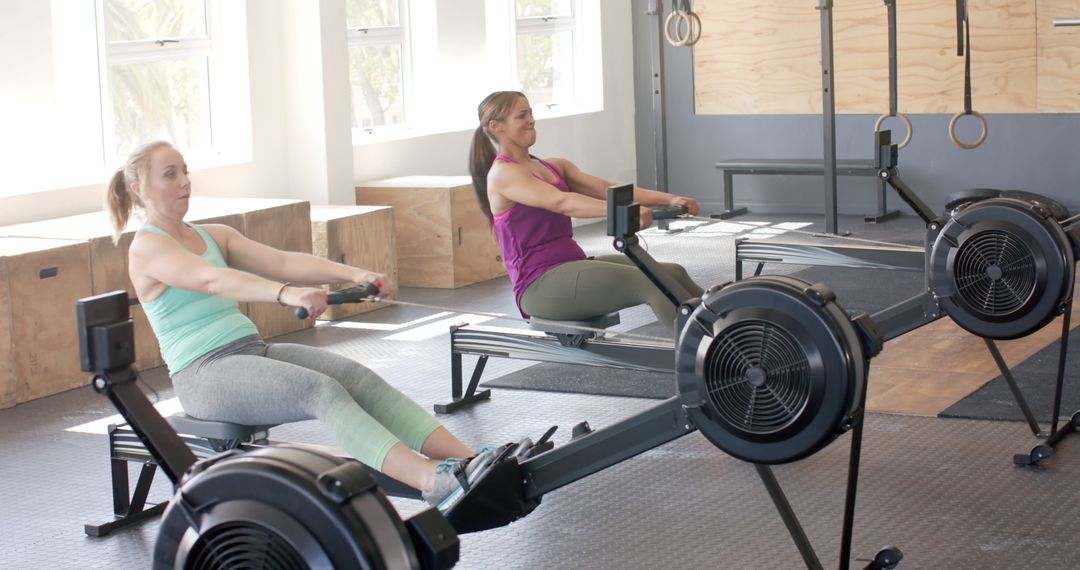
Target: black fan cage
point(996, 272)
point(757, 377)
point(242, 545)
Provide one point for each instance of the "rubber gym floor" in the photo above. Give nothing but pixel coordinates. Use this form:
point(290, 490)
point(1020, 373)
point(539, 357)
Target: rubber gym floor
point(943, 490)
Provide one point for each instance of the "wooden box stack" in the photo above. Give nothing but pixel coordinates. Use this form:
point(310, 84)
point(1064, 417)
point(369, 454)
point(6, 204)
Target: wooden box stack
point(108, 267)
point(443, 240)
point(40, 280)
point(361, 236)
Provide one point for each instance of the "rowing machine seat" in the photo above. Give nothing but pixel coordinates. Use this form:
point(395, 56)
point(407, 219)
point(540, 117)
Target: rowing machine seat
point(223, 435)
point(573, 333)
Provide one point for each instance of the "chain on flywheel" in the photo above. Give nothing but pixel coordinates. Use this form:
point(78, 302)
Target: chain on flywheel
point(771, 369)
point(1002, 267)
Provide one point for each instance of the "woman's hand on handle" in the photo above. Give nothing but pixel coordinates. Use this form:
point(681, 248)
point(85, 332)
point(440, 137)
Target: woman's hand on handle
point(380, 280)
point(311, 299)
point(692, 206)
point(645, 217)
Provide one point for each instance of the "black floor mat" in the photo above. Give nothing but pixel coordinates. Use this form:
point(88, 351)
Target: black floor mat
point(1036, 378)
point(865, 290)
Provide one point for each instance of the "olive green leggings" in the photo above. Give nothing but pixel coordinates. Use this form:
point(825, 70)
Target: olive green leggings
point(588, 288)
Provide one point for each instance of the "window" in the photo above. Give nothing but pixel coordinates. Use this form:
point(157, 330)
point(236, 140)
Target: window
point(378, 62)
point(106, 75)
point(421, 66)
point(545, 48)
point(156, 81)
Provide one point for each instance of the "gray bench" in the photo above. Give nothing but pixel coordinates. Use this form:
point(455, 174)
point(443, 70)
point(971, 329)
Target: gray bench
point(800, 167)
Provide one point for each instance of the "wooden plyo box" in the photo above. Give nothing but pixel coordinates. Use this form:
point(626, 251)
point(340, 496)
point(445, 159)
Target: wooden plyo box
point(360, 236)
point(40, 280)
point(108, 267)
point(443, 240)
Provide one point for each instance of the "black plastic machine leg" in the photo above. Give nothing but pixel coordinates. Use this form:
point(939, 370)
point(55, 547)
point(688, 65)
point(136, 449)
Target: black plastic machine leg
point(459, 398)
point(128, 512)
point(887, 558)
point(1041, 452)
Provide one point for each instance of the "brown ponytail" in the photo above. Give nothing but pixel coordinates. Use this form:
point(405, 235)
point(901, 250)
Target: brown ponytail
point(119, 203)
point(482, 154)
point(119, 199)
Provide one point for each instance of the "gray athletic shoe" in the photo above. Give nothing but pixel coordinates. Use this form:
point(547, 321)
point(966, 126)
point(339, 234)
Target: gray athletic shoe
point(454, 476)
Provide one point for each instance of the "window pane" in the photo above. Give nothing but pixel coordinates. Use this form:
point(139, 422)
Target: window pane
point(127, 20)
point(161, 100)
point(371, 13)
point(545, 64)
point(541, 8)
point(375, 75)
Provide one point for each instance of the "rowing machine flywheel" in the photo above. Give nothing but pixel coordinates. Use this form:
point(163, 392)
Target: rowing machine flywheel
point(1002, 268)
point(282, 507)
point(771, 369)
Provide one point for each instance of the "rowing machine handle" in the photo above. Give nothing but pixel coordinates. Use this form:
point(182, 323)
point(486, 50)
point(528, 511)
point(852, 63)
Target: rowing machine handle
point(668, 212)
point(361, 292)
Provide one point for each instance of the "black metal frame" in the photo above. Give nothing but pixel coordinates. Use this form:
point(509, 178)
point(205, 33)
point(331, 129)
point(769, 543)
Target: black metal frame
point(1058, 431)
point(799, 167)
point(125, 447)
point(487, 342)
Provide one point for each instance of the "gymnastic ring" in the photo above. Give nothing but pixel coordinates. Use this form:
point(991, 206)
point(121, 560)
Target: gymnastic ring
point(982, 137)
point(679, 17)
point(694, 33)
point(902, 117)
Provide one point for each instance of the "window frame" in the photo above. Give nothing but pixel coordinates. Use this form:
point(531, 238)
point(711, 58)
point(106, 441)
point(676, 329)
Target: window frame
point(381, 36)
point(226, 95)
point(551, 25)
point(586, 76)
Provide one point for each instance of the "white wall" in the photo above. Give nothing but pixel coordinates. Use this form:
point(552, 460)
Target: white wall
point(600, 142)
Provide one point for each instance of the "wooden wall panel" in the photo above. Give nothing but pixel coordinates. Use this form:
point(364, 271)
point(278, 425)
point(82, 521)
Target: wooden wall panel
point(757, 57)
point(760, 57)
point(1058, 57)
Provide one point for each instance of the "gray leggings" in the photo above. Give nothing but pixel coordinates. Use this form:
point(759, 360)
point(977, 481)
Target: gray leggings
point(252, 382)
point(592, 287)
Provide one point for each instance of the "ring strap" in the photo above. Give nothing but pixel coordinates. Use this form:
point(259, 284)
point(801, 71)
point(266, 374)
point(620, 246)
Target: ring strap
point(893, 79)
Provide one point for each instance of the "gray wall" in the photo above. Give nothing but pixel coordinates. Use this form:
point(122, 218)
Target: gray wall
point(1038, 153)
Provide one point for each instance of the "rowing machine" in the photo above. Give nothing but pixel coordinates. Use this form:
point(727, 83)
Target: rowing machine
point(770, 370)
point(286, 506)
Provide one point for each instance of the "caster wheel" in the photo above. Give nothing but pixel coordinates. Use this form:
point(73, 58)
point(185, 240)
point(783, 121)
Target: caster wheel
point(1076, 421)
point(888, 558)
point(1040, 453)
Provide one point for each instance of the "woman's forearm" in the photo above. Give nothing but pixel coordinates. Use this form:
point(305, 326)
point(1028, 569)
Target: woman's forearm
point(240, 286)
point(651, 197)
point(306, 268)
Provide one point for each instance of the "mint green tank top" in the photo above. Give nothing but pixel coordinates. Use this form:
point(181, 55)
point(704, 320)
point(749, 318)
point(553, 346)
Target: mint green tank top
point(189, 324)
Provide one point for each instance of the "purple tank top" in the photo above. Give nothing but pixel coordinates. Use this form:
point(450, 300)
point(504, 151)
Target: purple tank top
point(533, 240)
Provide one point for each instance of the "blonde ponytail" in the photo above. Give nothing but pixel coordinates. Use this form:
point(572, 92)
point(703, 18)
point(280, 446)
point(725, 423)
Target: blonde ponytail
point(119, 199)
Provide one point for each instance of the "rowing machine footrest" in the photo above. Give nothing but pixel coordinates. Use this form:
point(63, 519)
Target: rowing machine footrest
point(496, 500)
